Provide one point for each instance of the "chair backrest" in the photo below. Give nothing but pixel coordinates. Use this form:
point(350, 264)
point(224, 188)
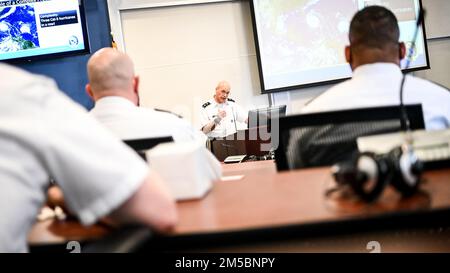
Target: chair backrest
point(144, 144)
point(323, 139)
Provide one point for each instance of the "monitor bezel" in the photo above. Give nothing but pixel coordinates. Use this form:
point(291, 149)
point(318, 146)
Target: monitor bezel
point(85, 51)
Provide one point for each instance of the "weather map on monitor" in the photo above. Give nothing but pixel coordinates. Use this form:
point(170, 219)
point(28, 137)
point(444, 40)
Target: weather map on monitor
point(301, 42)
point(32, 28)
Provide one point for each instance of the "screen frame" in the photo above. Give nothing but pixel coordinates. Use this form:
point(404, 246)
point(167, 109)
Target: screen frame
point(319, 83)
point(85, 51)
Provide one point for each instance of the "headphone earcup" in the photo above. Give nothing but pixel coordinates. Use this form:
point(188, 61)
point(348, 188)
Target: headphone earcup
point(377, 176)
point(406, 171)
point(367, 175)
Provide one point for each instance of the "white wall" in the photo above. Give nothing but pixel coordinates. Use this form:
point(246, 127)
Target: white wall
point(437, 18)
point(183, 48)
point(438, 30)
point(439, 50)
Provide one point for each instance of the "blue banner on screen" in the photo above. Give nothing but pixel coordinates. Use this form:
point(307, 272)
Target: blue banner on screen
point(301, 43)
point(59, 18)
point(30, 28)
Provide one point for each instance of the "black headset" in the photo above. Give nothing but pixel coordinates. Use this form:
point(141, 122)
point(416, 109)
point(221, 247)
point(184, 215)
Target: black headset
point(368, 174)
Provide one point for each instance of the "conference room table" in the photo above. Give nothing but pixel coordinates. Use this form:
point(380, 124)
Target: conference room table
point(256, 209)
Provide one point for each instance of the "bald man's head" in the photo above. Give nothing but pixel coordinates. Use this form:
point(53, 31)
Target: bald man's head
point(110, 72)
point(222, 92)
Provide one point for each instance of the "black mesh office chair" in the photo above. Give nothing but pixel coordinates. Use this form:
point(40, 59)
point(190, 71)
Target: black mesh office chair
point(144, 144)
point(323, 139)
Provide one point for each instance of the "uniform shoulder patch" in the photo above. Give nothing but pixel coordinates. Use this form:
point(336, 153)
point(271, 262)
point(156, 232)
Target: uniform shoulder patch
point(231, 100)
point(166, 111)
point(206, 104)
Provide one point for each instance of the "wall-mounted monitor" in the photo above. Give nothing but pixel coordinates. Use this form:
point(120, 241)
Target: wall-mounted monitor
point(32, 29)
point(301, 43)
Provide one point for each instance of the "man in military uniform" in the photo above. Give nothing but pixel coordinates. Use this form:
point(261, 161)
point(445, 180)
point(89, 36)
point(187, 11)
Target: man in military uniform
point(220, 115)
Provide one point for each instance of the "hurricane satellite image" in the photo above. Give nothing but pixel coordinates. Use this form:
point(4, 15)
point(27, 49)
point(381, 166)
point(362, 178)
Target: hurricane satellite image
point(304, 33)
point(18, 29)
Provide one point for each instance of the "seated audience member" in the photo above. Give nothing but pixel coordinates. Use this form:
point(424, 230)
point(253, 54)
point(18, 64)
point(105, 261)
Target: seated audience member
point(44, 134)
point(220, 114)
point(114, 87)
point(374, 55)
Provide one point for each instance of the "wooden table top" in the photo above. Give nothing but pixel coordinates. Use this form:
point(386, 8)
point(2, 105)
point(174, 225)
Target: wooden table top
point(264, 198)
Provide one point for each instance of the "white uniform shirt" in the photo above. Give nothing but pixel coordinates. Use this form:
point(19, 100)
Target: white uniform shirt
point(43, 133)
point(234, 119)
point(127, 121)
point(378, 85)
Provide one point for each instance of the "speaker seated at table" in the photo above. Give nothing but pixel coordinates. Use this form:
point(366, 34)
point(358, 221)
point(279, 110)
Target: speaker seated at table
point(323, 139)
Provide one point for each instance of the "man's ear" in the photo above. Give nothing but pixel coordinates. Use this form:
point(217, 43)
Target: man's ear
point(402, 50)
point(136, 90)
point(89, 91)
point(348, 54)
point(136, 84)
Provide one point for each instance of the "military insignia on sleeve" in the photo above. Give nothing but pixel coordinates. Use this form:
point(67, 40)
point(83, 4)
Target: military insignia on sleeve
point(206, 104)
point(166, 111)
point(231, 100)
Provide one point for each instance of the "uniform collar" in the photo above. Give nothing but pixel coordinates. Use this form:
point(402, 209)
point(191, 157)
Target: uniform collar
point(377, 69)
point(114, 100)
point(215, 104)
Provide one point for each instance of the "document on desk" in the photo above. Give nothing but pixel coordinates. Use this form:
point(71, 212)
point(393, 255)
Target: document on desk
point(232, 178)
